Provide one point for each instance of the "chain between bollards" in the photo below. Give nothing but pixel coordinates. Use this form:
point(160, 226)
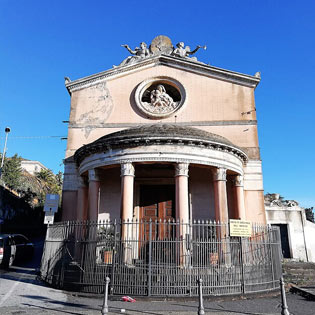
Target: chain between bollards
point(284, 305)
point(201, 309)
point(105, 305)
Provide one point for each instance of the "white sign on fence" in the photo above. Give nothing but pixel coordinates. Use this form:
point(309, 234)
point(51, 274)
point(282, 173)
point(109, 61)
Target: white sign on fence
point(51, 203)
point(49, 217)
point(240, 228)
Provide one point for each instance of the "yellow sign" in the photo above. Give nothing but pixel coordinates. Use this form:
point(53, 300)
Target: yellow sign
point(240, 228)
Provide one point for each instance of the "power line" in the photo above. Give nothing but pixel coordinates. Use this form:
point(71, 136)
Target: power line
point(35, 137)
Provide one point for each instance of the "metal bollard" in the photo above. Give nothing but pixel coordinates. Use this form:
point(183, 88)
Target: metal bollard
point(284, 305)
point(201, 309)
point(105, 306)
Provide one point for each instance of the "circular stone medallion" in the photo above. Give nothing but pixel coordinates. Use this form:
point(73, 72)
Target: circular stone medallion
point(160, 97)
point(161, 44)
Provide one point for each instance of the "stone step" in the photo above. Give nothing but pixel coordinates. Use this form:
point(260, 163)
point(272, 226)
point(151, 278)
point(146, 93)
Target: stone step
point(299, 273)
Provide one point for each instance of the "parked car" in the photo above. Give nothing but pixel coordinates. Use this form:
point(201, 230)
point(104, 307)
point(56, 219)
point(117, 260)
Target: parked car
point(14, 247)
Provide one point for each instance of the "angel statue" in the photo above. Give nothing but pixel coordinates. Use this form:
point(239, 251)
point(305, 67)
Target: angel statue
point(182, 52)
point(137, 54)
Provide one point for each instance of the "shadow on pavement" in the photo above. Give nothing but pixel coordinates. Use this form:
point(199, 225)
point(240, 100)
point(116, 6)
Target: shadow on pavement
point(51, 309)
point(48, 300)
point(20, 274)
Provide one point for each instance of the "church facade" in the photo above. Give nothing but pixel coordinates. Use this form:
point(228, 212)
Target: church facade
point(163, 136)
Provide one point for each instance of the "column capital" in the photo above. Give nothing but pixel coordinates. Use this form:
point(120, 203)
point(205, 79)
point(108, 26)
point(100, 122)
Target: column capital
point(94, 175)
point(127, 169)
point(181, 169)
point(238, 180)
point(82, 181)
point(219, 174)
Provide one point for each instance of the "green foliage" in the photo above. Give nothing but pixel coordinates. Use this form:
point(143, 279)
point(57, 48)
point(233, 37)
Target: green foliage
point(310, 214)
point(52, 183)
point(32, 189)
point(12, 172)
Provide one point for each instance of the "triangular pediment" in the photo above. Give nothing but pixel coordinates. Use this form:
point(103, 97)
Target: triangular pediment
point(183, 64)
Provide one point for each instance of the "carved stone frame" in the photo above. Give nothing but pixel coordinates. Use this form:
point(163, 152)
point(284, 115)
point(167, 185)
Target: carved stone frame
point(159, 80)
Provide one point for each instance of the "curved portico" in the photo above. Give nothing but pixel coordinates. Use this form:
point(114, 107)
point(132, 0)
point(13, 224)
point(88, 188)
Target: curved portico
point(162, 147)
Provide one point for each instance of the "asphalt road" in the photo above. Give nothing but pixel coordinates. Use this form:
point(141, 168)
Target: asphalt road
point(22, 293)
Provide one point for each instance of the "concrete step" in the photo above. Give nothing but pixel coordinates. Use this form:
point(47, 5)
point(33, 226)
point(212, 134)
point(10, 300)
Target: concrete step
point(299, 273)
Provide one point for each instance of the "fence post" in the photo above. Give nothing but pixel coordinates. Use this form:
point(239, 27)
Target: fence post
point(113, 259)
point(105, 306)
point(271, 241)
point(284, 305)
point(201, 309)
point(242, 267)
point(64, 250)
point(150, 258)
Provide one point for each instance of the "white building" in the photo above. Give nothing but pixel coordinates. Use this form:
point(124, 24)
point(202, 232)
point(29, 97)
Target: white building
point(32, 167)
point(297, 233)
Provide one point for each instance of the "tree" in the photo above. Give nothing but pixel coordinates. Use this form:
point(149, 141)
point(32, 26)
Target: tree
point(310, 214)
point(46, 175)
point(12, 172)
point(59, 178)
point(51, 183)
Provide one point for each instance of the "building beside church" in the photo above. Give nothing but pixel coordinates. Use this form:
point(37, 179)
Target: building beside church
point(163, 136)
point(32, 167)
point(297, 233)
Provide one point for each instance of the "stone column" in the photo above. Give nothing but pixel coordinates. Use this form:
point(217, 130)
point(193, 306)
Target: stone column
point(81, 215)
point(181, 182)
point(94, 191)
point(220, 196)
point(221, 215)
point(239, 197)
point(82, 199)
point(127, 186)
point(182, 210)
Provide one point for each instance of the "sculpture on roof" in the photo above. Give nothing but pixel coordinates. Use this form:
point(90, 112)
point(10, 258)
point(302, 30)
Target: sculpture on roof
point(184, 52)
point(275, 200)
point(159, 45)
point(138, 54)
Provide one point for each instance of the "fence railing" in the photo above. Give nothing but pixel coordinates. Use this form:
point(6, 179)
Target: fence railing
point(160, 258)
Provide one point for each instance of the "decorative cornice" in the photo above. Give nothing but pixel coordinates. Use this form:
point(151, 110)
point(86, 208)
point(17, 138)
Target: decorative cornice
point(127, 169)
point(188, 124)
point(140, 140)
point(181, 169)
point(169, 159)
point(219, 174)
point(175, 62)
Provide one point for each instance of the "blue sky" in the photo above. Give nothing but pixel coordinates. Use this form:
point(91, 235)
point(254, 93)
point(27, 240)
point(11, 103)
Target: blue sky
point(43, 41)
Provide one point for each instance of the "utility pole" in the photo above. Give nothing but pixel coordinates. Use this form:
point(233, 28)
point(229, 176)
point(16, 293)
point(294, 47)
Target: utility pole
point(7, 131)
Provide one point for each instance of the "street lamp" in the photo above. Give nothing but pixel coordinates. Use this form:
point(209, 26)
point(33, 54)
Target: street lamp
point(7, 131)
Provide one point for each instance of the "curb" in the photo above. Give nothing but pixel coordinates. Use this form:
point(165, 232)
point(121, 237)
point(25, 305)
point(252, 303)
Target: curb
point(307, 292)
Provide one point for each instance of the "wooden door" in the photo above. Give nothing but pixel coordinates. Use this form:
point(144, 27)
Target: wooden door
point(157, 202)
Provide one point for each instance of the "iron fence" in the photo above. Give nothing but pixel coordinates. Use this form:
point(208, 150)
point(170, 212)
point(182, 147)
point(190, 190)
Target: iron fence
point(162, 258)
